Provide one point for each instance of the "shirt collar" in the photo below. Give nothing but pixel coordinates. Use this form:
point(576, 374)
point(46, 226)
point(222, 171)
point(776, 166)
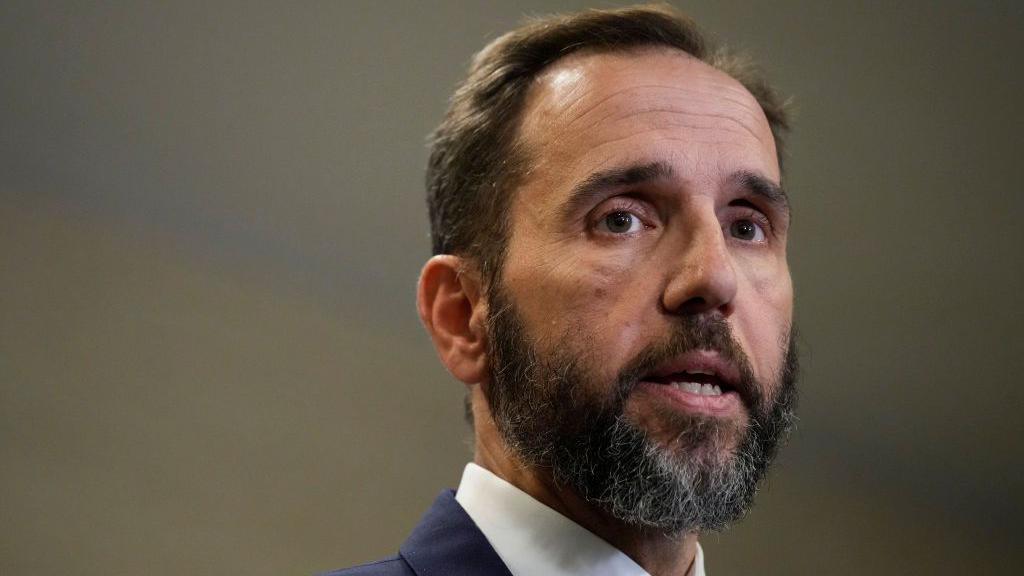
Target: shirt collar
point(534, 540)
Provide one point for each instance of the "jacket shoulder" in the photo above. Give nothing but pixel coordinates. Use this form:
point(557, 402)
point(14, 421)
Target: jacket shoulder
point(393, 566)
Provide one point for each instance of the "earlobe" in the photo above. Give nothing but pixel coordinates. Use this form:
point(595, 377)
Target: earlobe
point(448, 298)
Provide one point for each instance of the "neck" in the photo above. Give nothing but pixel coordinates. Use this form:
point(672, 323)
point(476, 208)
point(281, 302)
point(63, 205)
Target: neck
point(658, 554)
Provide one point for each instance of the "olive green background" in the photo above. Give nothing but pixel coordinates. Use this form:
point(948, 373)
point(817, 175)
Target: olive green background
point(212, 222)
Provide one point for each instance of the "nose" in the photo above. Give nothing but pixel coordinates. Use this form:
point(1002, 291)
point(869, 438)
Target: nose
point(702, 277)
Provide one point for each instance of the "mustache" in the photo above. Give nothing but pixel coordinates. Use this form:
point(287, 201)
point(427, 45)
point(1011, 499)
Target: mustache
point(690, 333)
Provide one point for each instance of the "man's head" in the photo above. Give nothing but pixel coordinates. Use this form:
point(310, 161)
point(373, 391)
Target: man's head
point(615, 284)
point(477, 156)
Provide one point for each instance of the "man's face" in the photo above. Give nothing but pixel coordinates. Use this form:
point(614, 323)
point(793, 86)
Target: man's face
point(640, 328)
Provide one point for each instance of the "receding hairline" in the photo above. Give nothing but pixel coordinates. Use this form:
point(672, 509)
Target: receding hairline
point(477, 160)
point(541, 86)
point(575, 58)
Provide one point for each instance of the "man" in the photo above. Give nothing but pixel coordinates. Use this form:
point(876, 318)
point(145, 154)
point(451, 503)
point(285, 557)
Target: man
point(610, 282)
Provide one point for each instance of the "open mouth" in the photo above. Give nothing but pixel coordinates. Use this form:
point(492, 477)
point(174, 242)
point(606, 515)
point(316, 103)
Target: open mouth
point(699, 382)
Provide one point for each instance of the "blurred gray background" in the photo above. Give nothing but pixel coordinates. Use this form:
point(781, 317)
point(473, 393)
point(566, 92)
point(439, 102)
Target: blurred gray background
point(212, 221)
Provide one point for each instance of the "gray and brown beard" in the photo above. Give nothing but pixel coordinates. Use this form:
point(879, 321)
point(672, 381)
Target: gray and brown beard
point(702, 480)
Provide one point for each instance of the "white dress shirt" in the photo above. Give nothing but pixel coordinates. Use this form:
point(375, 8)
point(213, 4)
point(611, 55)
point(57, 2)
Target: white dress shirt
point(534, 540)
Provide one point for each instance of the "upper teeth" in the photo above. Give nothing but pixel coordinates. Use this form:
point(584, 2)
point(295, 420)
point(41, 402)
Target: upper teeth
point(698, 388)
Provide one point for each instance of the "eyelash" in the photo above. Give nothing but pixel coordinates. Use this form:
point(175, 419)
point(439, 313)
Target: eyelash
point(622, 205)
point(640, 212)
point(758, 218)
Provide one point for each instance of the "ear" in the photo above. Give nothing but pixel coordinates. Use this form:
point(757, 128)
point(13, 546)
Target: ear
point(451, 308)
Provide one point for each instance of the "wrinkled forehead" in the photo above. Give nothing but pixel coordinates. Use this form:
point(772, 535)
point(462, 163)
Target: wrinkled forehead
point(590, 101)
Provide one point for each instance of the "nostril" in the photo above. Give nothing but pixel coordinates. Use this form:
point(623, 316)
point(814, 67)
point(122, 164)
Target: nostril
point(695, 305)
point(707, 285)
point(698, 305)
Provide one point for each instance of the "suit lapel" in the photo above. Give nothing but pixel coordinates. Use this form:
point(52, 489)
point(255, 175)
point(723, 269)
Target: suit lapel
point(448, 543)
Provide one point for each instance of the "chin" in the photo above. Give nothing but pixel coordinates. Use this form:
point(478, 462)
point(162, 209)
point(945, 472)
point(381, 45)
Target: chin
point(709, 441)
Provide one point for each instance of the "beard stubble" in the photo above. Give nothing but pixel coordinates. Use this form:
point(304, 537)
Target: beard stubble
point(704, 478)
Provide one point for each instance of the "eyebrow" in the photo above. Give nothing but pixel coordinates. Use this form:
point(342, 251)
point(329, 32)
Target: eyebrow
point(762, 187)
point(599, 183)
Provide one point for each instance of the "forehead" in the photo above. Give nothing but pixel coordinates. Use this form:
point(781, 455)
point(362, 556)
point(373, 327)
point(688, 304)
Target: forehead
point(593, 111)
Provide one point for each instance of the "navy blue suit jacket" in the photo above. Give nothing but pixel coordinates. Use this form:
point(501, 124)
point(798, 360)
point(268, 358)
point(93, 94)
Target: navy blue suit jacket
point(445, 543)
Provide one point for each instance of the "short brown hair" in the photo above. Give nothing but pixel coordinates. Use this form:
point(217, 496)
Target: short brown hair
point(476, 158)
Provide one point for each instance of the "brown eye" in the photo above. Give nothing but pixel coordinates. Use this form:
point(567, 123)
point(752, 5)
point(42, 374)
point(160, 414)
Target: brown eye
point(747, 230)
point(621, 223)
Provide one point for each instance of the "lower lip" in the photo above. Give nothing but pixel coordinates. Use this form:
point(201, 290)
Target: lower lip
point(726, 403)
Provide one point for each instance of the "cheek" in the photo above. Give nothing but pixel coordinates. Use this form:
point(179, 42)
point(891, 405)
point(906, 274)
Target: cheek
point(582, 303)
point(766, 318)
